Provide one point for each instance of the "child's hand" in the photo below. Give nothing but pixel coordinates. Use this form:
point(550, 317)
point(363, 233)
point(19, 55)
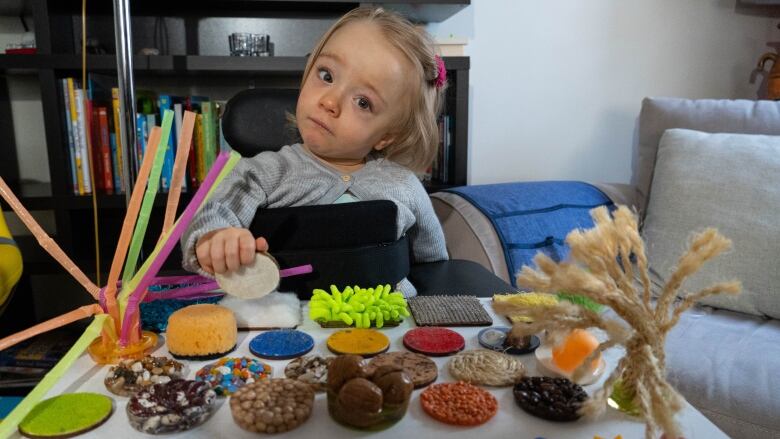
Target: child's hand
point(228, 249)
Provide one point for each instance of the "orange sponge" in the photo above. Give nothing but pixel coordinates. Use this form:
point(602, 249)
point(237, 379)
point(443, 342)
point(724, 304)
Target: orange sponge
point(574, 350)
point(201, 331)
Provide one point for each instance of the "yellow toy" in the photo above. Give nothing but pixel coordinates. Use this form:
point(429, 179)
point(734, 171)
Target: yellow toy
point(10, 263)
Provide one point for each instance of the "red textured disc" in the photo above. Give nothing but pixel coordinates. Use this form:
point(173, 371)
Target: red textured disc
point(434, 341)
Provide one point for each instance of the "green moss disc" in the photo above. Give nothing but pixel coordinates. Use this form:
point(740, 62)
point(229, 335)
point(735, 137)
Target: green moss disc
point(66, 415)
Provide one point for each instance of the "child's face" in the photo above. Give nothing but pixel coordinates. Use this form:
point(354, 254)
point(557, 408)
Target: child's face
point(356, 91)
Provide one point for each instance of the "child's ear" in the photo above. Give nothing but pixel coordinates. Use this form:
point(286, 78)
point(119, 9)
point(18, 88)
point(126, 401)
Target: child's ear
point(385, 141)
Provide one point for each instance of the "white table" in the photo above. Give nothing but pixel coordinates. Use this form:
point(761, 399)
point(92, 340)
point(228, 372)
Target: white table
point(510, 421)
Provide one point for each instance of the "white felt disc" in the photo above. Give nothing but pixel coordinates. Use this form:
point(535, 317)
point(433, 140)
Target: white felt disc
point(251, 281)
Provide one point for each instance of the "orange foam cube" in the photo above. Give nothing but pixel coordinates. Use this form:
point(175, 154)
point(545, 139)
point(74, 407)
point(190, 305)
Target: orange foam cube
point(574, 350)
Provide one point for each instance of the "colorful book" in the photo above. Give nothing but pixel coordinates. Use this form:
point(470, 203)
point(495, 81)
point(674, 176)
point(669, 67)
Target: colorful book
point(81, 123)
point(74, 123)
point(115, 163)
point(199, 157)
point(105, 150)
point(165, 102)
point(119, 174)
point(69, 129)
point(209, 111)
point(97, 159)
point(178, 119)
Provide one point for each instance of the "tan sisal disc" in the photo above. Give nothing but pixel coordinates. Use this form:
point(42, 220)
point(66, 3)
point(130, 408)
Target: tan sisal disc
point(257, 279)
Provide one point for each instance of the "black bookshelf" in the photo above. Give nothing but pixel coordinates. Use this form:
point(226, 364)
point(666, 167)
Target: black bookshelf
point(58, 57)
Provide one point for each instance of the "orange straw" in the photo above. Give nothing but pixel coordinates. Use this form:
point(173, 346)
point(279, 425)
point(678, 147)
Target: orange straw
point(48, 325)
point(129, 225)
point(46, 242)
point(179, 166)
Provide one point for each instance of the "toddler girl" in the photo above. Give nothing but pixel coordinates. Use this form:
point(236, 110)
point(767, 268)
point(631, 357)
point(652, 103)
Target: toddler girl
point(366, 113)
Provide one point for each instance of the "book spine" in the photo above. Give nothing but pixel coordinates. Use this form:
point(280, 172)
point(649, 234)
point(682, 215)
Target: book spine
point(74, 123)
point(209, 134)
point(199, 155)
point(105, 150)
point(82, 127)
point(69, 129)
point(97, 159)
point(178, 116)
point(115, 163)
point(140, 134)
point(120, 168)
point(164, 103)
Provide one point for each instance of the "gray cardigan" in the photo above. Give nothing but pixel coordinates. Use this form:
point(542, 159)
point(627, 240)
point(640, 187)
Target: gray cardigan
point(293, 177)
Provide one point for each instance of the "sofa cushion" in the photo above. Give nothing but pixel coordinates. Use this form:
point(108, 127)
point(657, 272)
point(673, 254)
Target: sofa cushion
point(534, 217)
point(709, 115)
point(730, 182)
point(726, 364)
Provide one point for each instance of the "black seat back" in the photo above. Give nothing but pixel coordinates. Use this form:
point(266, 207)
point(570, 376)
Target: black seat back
point(255, 120)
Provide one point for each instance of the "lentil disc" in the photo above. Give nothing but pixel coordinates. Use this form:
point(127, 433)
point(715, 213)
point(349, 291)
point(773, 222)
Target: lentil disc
point(458, 403)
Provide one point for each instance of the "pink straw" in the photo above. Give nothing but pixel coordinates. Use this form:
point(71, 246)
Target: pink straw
point(178, 229)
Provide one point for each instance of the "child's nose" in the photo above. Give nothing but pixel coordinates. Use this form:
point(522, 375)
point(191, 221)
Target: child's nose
point(330, 103)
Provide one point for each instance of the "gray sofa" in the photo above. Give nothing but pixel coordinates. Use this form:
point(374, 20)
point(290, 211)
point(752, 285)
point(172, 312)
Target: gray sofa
point(725, 363)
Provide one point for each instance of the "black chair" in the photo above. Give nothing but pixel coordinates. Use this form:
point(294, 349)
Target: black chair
point(341, 248)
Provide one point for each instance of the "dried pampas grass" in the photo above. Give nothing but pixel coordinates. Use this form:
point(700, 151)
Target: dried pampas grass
point(608, 265)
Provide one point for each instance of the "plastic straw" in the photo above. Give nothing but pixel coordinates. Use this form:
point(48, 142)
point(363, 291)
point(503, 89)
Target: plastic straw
point(183, 293)
point(45, 240)
point(10, 423)
point(179, 166)
point(48, 325)
point(221, 167)
point(148, 203)
point(127, 228)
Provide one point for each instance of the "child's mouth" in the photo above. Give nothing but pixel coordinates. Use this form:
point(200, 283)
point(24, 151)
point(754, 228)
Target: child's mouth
point(321, 125)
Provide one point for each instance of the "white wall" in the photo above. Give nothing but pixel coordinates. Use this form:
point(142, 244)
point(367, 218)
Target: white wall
point(556, 85)
point(27, 112)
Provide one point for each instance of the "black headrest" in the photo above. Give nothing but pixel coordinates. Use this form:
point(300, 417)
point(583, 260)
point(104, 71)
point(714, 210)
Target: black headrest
point(255, 120)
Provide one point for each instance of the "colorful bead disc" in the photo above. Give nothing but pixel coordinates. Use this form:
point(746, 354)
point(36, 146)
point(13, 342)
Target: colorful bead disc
point(365, 342)
point(281, 345)
point(228, 374)
point(434, 341)
point(66, 415)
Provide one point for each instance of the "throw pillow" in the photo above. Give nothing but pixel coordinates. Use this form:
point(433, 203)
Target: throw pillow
point(727, 181)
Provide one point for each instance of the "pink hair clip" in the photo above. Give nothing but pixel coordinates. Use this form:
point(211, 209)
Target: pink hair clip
point(441, 73)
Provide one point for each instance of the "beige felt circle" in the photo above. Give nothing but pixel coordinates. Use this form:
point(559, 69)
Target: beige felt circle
point(251, 281)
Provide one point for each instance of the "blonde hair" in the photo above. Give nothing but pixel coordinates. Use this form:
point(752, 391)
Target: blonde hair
point(417, 144)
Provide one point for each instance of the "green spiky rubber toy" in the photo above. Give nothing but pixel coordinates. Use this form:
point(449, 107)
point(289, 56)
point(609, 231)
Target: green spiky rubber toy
point(358, 307)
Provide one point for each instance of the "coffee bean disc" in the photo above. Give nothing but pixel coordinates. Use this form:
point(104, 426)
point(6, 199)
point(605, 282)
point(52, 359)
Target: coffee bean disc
point(365, 342)
point(66, 415)
point(458, 403)
point(495, 339)
point(554, 399)
point(420, 368)
point(272, 406)
point(282, 344)
point(310, 369)
point(434, 341)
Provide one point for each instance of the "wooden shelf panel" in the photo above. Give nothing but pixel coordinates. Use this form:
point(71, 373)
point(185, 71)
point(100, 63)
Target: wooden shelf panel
point(28, 64)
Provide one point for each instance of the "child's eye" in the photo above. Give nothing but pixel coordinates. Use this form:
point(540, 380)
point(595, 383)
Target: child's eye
point(363, 103)
point(325, 75)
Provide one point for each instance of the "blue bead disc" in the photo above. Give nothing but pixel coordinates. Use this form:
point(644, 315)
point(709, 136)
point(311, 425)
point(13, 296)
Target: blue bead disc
point(281, 344)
